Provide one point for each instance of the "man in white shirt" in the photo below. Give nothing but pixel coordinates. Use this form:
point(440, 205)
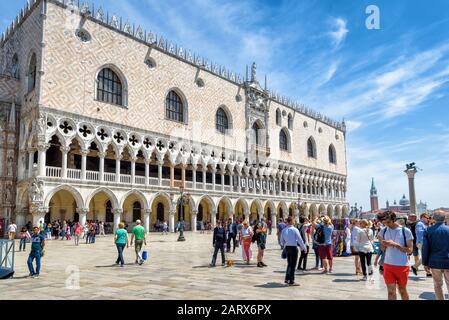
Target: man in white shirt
point(290, 240)
point(12, 229)
point(354, 245)
point(397, 241)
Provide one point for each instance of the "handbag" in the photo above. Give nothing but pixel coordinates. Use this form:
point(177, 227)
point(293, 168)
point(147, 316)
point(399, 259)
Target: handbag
point(284, 254)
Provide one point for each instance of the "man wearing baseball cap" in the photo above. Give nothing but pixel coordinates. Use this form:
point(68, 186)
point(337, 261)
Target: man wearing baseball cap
point(139, 233)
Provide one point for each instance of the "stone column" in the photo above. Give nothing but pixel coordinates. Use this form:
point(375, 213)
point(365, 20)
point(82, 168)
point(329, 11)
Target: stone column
point(273, 220)
point(146, 219)
point(171, 221)
point(194, 176)
point(183, 174)
point(133, 170)
point(411, 188)
point(147, 171)
point(204, 177)
point(239, 185)
point(246, 214)
point(30, 162)
point(102, 155)
point(117, 168)
point(64, 152)
point(214, 171)
point(117, 217)
point(172, 175)
point(160, 163)
point(222, 179)
point(82, 215)
point(193, 218)
point(83, 164)
point(42, 158)
point(213, 217)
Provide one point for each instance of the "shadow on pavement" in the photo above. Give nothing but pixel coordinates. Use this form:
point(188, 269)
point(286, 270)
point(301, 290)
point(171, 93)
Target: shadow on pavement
point(346, 280)
point(115, 265)
point(417, 279)
point(271, 285)
point(427, 296)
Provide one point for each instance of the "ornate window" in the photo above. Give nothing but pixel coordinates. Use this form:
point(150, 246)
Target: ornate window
point(290, 121)
point(221, 121)
point(332, 154)
point(283, 140)
point(278, 117)
point(311, 148)
point(109, 88)
point(174, 108)
point(32, 70)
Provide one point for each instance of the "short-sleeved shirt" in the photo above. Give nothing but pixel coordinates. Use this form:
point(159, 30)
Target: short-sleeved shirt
point(328, 229)
point(12, 228)
point(121, 236)
point(139, 232)
point(394, 256)
point(36, 242)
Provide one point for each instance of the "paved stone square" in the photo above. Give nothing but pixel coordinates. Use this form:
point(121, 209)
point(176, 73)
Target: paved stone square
point(179, 270)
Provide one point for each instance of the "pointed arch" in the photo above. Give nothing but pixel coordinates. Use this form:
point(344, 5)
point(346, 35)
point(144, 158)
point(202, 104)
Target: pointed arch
point(73, 191)
point(108, 192)
point(278, 117)
point(284, 140)
point(176, 106)
point(139, 195)
point(111, 85)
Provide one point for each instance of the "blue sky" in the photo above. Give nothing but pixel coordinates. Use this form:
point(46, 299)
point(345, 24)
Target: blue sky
point(391, 85)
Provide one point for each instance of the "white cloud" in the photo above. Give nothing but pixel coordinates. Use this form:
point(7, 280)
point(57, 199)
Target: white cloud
point(340, 33)
point(352, 125)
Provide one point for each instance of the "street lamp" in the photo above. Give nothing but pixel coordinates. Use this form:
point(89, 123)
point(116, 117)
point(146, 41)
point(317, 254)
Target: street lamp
point(181, 204)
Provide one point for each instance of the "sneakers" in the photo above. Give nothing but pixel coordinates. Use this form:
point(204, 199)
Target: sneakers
point(35, 276)
point(365, 278)
point(223, 264)
point(293, 284)
point(429, 275)
point(263, 264)
point(415, 270)
point(259, 265)
point(211, 265)
point(330, 271)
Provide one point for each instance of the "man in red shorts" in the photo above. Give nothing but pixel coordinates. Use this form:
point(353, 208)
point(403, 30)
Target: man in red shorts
point(397, 243)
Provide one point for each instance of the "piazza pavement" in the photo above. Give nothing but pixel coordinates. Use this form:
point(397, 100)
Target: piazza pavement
point(179, 270)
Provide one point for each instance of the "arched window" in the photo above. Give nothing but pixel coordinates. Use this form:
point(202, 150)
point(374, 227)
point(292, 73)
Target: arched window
point(174, 108)
point(32, 73)
point(278, 117)
point(283, 140)
point(221, 120)
point(109, 87)
point(137, 208)
point(332, 155)
point(290, 121)
point(311, 149)
point(160, 212)
point(15, 72)
point(256, 133)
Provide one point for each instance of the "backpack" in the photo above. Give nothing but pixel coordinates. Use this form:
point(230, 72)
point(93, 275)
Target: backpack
point(319, 235)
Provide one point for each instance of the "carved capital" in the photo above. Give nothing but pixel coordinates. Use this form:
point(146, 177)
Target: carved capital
point(102, 154)
point(82, 211)
point(64, 149)
point(117, 211)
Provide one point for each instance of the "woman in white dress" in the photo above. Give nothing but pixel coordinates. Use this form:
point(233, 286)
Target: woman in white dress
point(246, 235)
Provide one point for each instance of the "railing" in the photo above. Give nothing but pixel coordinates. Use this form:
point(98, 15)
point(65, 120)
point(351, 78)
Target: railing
point(93, 175)
point(199, 185)
point(53, 172)
point(166, 182)
point(154, 181)
point(74, 174)
point(189, 184)
point(109, 177)
point(140, 180)
point(227, 188)
point(125, 178)
point(209, 186)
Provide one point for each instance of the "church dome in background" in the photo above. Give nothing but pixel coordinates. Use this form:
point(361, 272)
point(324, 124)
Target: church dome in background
point(404, 201)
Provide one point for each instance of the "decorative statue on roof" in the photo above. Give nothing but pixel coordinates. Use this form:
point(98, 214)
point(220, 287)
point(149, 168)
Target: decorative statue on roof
point(411, 166)
point(253, 72)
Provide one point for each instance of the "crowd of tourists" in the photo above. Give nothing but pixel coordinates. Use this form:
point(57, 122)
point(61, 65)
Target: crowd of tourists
point(390, 240)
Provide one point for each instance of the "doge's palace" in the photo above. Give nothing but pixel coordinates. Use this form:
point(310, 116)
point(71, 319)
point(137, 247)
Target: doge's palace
point(102, 120)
